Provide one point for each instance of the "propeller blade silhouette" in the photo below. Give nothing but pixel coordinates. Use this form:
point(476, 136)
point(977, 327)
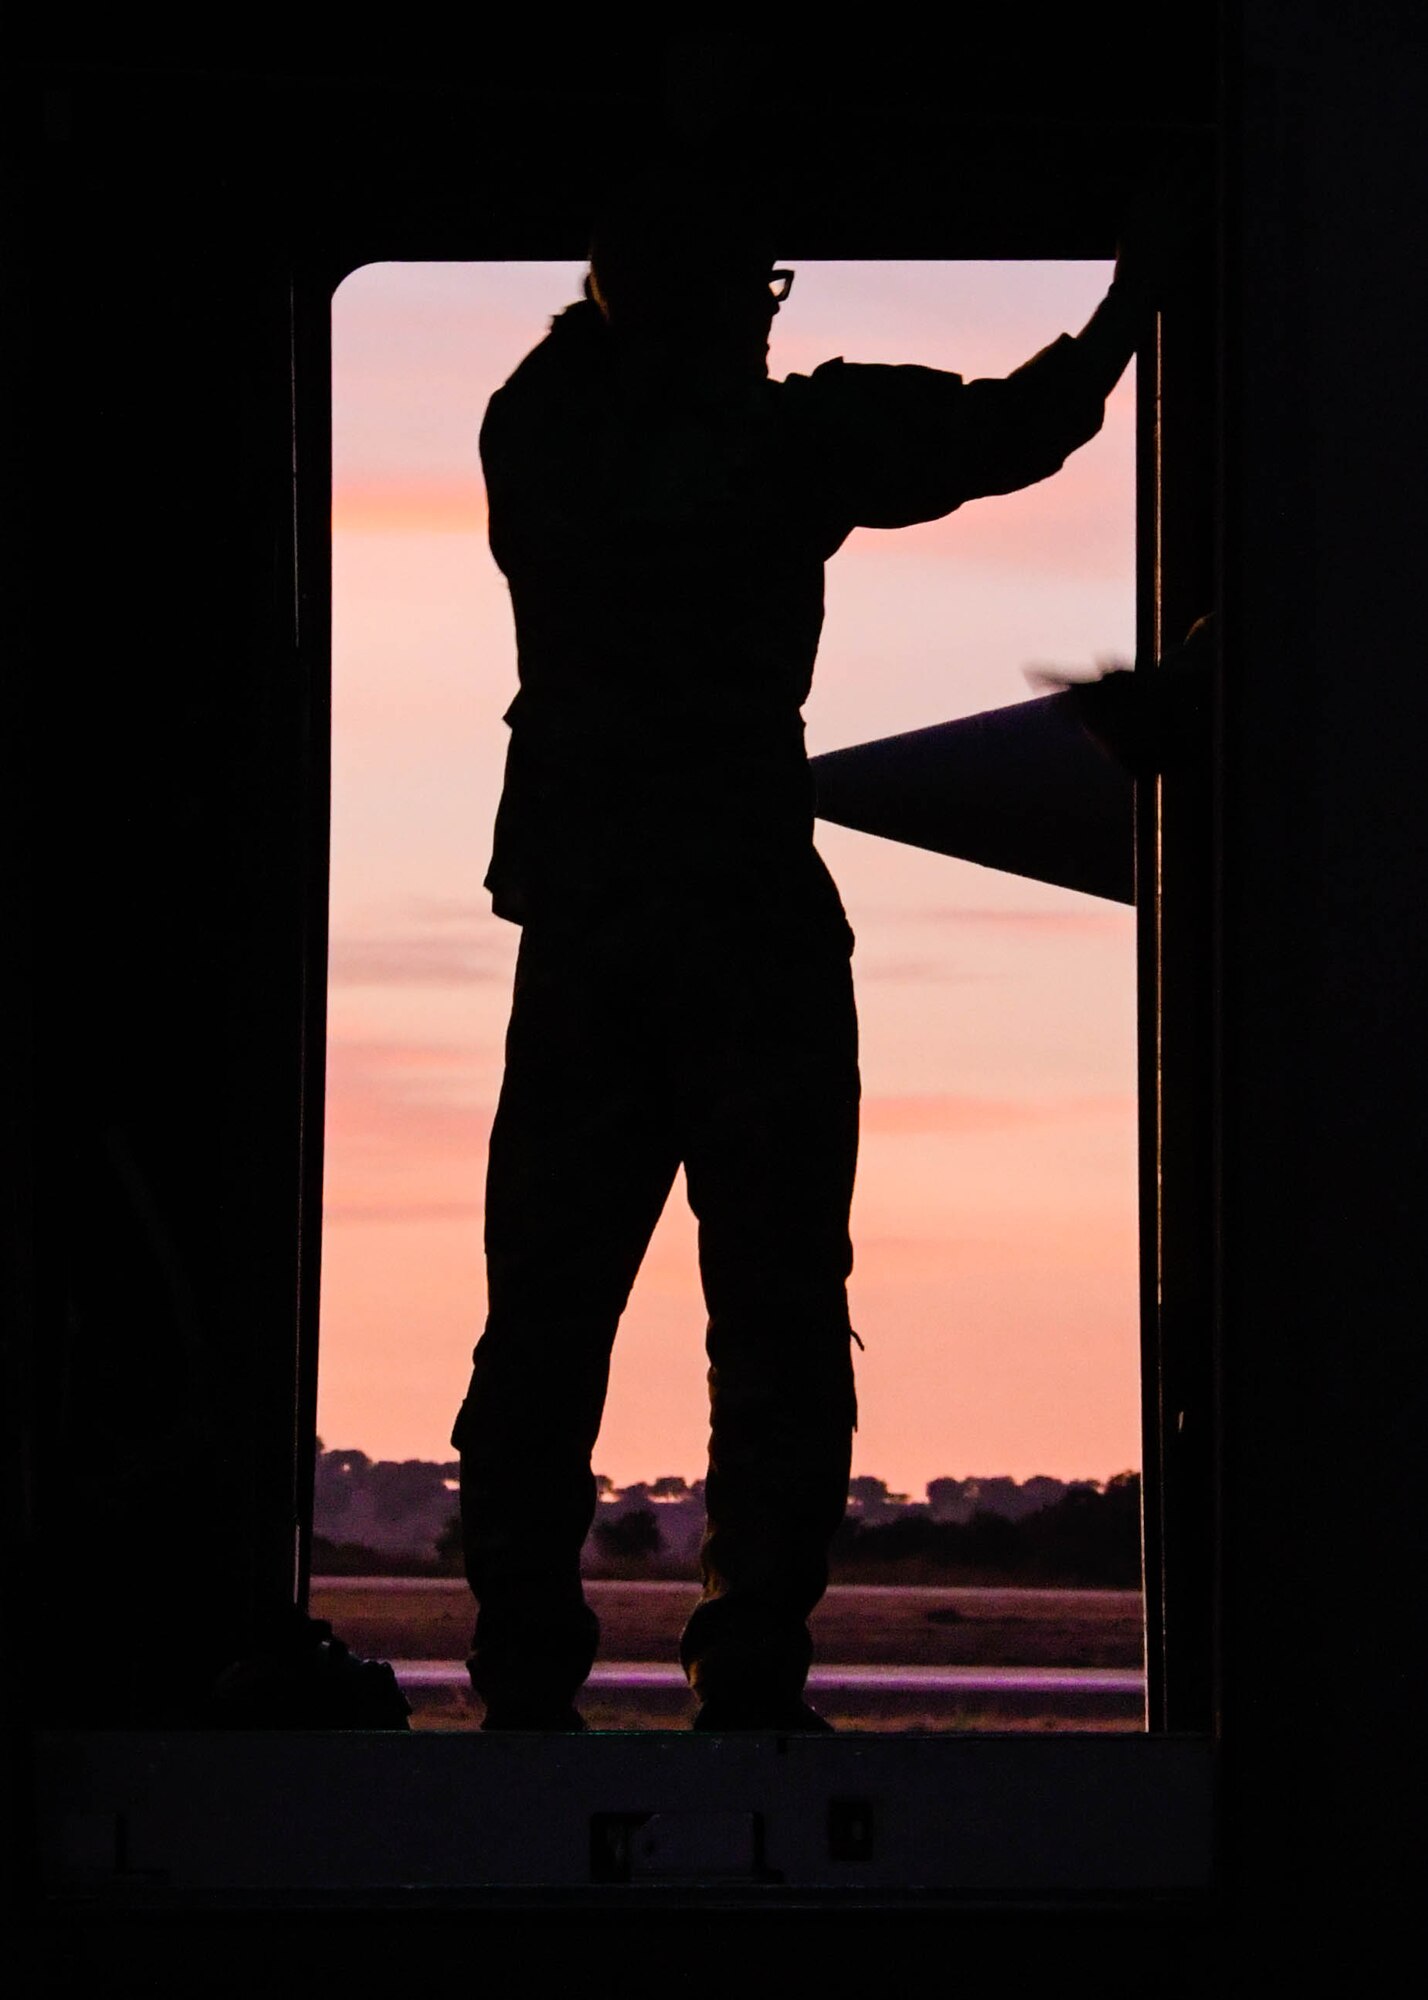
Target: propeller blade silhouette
point(1024, 789)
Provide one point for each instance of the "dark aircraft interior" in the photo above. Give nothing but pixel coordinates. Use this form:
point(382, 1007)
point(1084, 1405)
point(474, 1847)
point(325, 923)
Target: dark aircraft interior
point(178, 222)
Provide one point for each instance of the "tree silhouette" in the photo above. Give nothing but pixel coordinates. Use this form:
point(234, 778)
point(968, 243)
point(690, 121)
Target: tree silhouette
point(1089, 1535)
point(634, 1534)
point(872, 1498)
point(1040, 1531)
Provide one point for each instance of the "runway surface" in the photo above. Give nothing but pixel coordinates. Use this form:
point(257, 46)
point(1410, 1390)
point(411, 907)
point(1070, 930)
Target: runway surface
point(630, 1674)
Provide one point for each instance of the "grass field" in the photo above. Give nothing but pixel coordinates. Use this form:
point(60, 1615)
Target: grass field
point(855, 1625)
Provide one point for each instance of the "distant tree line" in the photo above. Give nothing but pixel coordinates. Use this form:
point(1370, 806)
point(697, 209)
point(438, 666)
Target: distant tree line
point(375, 1517)
point(1089, 1536)
point(379, 1517)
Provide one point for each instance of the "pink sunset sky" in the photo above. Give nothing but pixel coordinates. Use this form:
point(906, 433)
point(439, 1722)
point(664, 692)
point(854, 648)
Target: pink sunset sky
point(994, 1222)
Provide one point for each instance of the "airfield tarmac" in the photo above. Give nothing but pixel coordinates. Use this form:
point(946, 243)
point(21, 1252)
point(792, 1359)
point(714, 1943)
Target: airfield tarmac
point(887, 1657)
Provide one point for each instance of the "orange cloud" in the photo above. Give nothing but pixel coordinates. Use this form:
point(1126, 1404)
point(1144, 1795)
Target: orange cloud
point(1076, 525)
point(408, 507)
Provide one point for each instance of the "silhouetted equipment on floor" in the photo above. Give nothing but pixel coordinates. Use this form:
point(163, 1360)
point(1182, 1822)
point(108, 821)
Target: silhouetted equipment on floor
point(300, 1677)
point(1022, 788)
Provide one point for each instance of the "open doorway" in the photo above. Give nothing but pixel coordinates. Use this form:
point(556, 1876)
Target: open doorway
point(995, 1285)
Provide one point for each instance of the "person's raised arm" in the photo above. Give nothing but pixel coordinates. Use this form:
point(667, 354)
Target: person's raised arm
point(905, 444)
point(1111, 335)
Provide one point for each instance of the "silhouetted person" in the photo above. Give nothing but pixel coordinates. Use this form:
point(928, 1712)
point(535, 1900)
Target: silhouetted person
point(683, 995)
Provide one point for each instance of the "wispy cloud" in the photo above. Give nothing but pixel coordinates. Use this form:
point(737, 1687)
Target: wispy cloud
point(414, 960)
point(421, 941)
point(447, 910)
point(918, 971)
point(1091, 921)
point(405, 1103)
point(956, 1113)
point(1046, 529)
point(365, 1212)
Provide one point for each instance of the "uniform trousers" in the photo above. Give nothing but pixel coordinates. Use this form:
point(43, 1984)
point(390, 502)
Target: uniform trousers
point(661, 1038)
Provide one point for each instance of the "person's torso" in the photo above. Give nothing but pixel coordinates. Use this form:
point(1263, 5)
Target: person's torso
point(665, 560)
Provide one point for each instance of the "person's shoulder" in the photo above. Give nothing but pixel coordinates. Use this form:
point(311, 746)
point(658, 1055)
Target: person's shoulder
point(575, 347)
point(560, 372)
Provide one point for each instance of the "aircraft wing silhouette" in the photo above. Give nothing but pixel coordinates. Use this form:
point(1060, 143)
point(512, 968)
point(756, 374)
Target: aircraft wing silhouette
point(1023, 788)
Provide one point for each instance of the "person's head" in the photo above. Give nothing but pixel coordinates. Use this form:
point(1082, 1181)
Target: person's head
point(685, 262)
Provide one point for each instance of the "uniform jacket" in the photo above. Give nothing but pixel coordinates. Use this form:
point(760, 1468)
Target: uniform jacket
point(664, 548)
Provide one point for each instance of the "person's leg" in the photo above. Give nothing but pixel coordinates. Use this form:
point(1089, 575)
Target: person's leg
point(770, 1165)
point(580, 1166)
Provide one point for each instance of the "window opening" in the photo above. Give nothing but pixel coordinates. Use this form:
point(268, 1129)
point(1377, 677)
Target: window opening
point(995, 1282)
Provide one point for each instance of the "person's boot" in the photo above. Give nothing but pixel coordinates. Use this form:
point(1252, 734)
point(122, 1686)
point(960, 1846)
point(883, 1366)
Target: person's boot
point(533, 1715)
point(784, 1715)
